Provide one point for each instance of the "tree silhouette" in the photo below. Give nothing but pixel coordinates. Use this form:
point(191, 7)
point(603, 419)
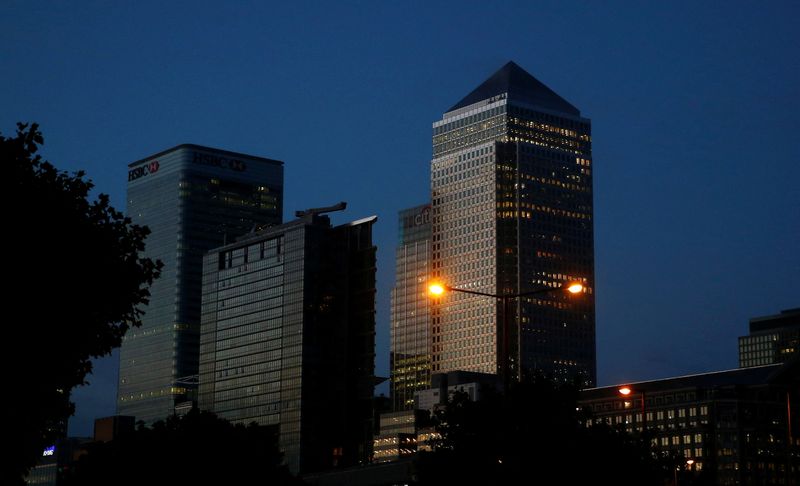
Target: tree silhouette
point(75, 283)
point(199, 448)
point(536, 431)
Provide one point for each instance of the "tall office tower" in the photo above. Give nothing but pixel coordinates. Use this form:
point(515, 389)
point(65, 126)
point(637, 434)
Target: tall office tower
point(193, 199)
point(772, 339)
point(511, 182)
point(288, 337)
point(410, 358)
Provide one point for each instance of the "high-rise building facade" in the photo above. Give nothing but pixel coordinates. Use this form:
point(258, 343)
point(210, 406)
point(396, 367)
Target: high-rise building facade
point(772, 339)
point(410, 358)
point(193, 199)
point(288, 337)
point(512, 211)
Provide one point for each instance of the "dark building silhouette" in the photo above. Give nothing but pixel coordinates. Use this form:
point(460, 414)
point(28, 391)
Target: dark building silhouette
point(107, 429)
point(193, 199)
point(59, 460)
point(772, 339)
point(288, 337)
point(512, 211)
point(738, 426)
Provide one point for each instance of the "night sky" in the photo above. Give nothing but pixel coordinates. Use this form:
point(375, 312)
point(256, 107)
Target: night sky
point(694, 109)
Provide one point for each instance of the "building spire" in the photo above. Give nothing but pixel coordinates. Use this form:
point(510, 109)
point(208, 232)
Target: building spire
point(518, 85)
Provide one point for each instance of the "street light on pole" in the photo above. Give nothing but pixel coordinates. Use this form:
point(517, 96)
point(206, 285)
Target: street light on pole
point(626, 391)
point(689, 463)
point(439, 289)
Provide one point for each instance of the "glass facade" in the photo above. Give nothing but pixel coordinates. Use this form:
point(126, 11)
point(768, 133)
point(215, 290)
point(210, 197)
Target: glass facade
point(193, 199)
point(512, 211)
point(410, 358)
point(287, 338)
point(772, 339)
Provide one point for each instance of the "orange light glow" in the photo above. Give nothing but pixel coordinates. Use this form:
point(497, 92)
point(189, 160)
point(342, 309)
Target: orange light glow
point(625, 391)
point(436, 289)
point(575, 288)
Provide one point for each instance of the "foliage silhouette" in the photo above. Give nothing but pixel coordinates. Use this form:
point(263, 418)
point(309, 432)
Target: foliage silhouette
point(198, 448)
point(536, 431)
point(76, 283)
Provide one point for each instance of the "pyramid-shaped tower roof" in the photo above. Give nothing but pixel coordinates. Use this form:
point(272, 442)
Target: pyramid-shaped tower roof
point(519, 86)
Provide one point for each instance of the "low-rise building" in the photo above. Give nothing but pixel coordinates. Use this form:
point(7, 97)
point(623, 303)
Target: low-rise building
point(739, 426)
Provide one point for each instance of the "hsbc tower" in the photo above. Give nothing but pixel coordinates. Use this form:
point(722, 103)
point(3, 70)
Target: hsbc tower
point(193, 199)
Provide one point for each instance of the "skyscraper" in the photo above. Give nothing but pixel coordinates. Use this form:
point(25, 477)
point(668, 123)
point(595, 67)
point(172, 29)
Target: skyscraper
point(410, 358)
point(193, 199)
point(512, 211)
point(288, 337)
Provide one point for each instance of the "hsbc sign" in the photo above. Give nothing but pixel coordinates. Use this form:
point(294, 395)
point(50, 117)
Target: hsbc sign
point(143, 170)
point(218, 161)
point(209, 160)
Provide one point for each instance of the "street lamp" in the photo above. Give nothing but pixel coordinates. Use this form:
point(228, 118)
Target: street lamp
point(627, 391)
point(439, 289)
point(689, 463)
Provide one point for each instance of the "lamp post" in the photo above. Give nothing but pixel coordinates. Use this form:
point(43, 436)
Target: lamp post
point(438, 289)
point(689, 463)
point(626, 391)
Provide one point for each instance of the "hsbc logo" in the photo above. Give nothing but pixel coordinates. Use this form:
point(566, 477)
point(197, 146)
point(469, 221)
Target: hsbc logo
point(143, 170)
point(221, 162)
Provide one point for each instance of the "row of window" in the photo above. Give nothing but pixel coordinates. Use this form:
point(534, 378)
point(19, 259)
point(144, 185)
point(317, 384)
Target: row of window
point(264, 250)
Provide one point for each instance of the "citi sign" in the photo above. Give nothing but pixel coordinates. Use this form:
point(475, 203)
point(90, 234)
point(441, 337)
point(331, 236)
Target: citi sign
point(143, 170)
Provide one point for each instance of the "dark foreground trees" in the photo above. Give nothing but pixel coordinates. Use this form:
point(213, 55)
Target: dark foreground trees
point(74, 283)
point(199, 448)
point(534, 434)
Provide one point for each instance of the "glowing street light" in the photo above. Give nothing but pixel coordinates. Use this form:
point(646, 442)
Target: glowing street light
point(626, 391)
point(438, 289)
point(575, 288)
point(689, 463)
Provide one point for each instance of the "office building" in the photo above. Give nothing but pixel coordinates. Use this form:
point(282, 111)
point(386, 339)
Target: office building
point(59, 461)
point(397, 438)
point(288, 337)
point(410, 358)
point(512, 211)
point(403, 433)
point(444, 385)
point(193, 199)
point(772, 339)
point(738, 426)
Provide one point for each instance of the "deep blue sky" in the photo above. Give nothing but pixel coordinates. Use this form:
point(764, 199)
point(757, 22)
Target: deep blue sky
point(694, 107)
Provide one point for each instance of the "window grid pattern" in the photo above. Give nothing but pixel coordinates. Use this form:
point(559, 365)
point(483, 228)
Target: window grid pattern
point(189, 208)
point(410, 358)
point(513, 212)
